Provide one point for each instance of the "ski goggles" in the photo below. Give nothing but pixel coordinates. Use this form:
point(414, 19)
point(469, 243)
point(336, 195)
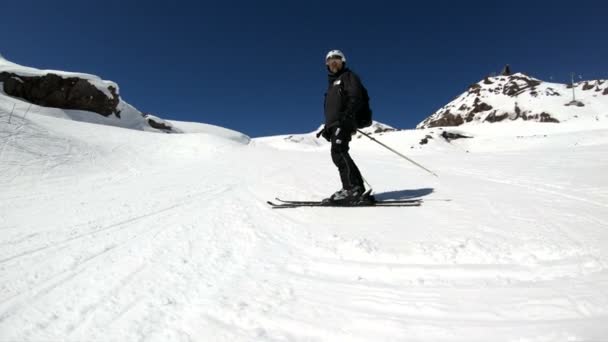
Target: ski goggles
point(334, 57)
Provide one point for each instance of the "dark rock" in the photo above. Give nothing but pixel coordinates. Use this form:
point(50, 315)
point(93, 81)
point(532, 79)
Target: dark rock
point(474, 89)
point(588, 86)
point(487, 81)
point(545, 117)
point(479, 106)
point(492, 117)
point(449, 136)
point(380, 129)
point(446, 119)
point(506, 71)
point(605, 92)
point(13, 85)
point(52, 90)
point(512, 88)
point(542, 117)
point(469, 117)
point(4, 76)
point(517, 111)
point(425, 140)
point(161, 125)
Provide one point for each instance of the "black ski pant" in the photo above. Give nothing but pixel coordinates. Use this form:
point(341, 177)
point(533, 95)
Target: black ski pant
point(349, 172)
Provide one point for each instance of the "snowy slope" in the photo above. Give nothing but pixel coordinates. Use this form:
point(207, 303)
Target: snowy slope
point(521, 97)
point(110, 234)
point(309, 141)
point(197, 127)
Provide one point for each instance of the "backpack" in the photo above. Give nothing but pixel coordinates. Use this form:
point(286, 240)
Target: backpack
point(363, 117)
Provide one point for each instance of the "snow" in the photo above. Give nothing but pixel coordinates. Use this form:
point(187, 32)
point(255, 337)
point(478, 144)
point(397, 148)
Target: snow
point(130, 117)
point(111, 234)
point(309, 141)
point(197, 127)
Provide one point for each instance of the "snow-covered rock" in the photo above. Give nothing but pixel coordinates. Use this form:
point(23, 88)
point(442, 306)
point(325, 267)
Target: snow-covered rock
point(521, 97)
point(69, 95)
point(376, 128)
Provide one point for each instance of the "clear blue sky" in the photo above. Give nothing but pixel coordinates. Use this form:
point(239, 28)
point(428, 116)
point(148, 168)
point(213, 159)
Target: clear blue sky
point(257, 66)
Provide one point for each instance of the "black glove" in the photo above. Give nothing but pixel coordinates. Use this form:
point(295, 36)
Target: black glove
point(326, 133)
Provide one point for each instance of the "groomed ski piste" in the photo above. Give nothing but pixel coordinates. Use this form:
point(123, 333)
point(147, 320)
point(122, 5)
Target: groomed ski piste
point(115, 234)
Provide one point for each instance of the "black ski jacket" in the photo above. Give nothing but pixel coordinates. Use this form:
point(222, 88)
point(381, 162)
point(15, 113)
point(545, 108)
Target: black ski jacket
point(343, 98)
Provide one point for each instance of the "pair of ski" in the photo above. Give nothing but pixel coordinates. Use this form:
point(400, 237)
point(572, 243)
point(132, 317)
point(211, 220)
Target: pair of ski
point(283, 204)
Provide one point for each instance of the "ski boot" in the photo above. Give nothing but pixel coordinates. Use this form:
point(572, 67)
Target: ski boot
point(350, 196)
point(338, 194)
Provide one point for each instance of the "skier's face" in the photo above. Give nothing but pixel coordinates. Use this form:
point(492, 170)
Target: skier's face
point(334, 64)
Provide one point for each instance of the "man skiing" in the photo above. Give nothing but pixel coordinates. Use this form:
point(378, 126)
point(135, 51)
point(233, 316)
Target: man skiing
point(343, 100)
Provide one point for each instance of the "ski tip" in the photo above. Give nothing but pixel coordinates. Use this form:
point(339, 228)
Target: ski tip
point(279, 205)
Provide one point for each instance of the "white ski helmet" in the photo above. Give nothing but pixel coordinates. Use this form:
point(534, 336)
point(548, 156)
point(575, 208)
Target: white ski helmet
point(333, 53)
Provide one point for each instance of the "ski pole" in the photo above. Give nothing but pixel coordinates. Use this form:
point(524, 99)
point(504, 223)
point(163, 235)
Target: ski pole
point(11, 115)
point(399, 154)
point(369, 186)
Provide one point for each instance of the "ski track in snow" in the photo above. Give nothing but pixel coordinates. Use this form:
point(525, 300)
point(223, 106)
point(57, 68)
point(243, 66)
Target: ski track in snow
point(110, 234)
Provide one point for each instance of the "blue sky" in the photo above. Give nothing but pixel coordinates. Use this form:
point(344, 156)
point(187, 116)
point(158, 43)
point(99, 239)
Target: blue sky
point(257, 66)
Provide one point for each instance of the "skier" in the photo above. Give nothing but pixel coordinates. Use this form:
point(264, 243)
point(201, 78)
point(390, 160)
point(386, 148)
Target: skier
point(343, 99)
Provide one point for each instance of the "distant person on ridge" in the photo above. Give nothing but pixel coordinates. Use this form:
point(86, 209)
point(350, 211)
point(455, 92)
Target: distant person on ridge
point(344, 98)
